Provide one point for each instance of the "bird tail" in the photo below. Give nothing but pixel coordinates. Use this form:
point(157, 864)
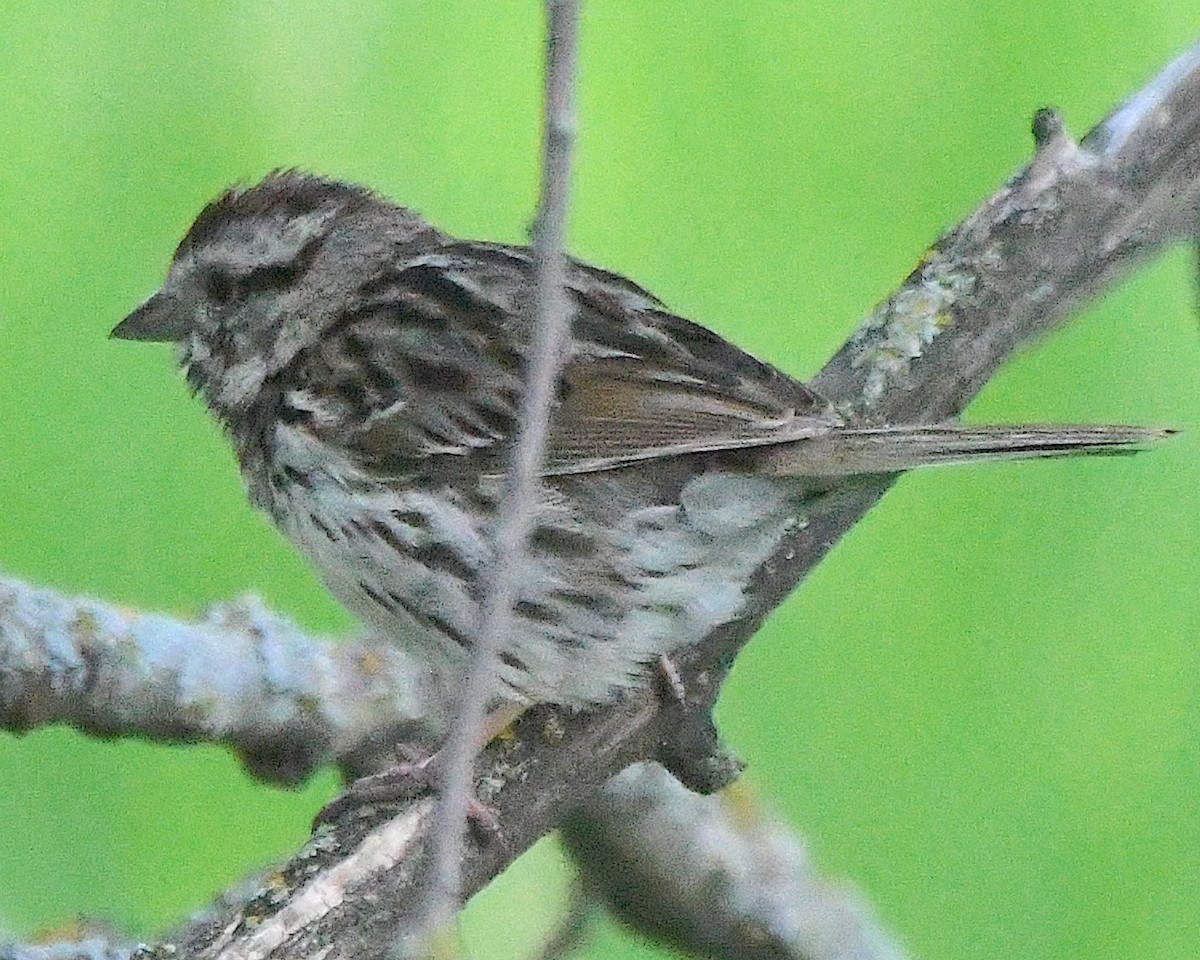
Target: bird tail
point(891, 449)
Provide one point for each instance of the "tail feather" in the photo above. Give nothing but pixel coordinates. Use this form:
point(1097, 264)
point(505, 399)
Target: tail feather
point(896, 448)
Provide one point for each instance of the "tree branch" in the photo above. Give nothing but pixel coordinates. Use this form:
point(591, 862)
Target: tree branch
point(286, 703)
point(715, 876)
point(551, 338)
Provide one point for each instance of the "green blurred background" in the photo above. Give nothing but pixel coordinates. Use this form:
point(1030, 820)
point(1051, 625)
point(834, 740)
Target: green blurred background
point(982, 710)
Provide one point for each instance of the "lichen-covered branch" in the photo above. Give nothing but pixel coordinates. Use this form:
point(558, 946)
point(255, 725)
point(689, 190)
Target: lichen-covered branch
point(715, 876)
point(285, 702)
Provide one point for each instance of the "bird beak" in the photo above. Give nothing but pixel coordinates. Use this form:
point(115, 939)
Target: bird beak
point(160, 319)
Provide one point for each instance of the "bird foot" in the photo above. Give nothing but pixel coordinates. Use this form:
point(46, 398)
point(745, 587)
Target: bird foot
point(417, 772)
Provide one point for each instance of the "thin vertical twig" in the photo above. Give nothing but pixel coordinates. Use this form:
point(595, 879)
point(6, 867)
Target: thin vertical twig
point(551, 331)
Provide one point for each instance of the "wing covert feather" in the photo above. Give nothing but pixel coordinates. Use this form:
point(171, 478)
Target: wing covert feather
point(445, 336)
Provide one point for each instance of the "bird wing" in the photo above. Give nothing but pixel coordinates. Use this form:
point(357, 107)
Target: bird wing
point(616, 412)
point(439, 341)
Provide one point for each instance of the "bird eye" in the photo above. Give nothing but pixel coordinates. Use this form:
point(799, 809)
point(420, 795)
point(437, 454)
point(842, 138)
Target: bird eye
point(270, 276)
point(219, 285)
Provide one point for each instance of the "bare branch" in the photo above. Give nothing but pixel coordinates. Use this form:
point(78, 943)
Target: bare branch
point(551, 333)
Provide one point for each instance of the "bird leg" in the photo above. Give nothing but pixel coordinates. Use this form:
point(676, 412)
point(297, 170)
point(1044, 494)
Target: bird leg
point(416, 772)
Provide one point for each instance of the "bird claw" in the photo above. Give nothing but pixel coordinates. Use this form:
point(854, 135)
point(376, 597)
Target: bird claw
point(416, 773)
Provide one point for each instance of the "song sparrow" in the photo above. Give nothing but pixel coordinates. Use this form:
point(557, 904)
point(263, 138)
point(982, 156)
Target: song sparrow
point(368, 367)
